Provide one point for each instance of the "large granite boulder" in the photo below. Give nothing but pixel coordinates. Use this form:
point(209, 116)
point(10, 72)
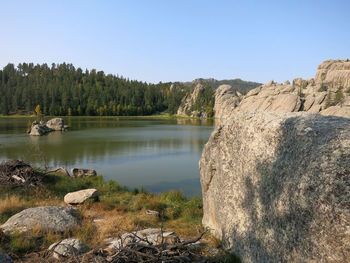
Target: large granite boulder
point(79, 197)
point(56, 124)
point(276, 186)
point(67, 248)
point(45, 218)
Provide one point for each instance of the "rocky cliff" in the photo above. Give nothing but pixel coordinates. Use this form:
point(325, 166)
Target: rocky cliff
point(276, 186)
point(223, 92)
point(328, 94)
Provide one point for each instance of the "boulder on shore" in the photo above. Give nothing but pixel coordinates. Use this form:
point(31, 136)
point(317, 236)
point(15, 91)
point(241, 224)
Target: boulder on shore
point(79, 197)
point(45, 218)
point(80, 172)
point(276, 186)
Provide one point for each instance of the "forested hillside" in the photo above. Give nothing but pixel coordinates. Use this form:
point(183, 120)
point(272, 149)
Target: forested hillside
point(63, 89)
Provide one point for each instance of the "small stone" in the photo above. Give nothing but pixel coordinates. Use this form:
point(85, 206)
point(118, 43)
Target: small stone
point(152, 213)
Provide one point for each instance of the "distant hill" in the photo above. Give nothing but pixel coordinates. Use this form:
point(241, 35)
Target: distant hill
point(240, 85)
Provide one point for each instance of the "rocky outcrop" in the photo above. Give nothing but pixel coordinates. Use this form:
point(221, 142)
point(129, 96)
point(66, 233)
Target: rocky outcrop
point(276, 186)
point(79, 197)
point(46, 218)
point(226, 100)
point(271, 97)
point(186, 106)
point(334, 72)
point(67, 248)
point(220, 89)
point(42, 128)
point(327, 94)
point(80, 172)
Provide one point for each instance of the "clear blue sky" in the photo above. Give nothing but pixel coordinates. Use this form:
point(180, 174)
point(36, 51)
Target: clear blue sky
point(169, 40)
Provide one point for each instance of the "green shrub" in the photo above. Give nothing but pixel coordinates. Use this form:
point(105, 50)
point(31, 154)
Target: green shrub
point(22, 243)
point(322, 88)
point(338, 96)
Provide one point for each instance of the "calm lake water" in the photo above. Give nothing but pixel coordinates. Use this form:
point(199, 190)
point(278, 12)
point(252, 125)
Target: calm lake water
point(156, 154)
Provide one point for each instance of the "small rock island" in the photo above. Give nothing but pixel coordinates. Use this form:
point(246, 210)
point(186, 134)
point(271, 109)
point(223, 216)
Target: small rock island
point(42, 128)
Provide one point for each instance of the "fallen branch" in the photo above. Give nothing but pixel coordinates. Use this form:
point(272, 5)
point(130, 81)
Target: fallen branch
point(64, 170)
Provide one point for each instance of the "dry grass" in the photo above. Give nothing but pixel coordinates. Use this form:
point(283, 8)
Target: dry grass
point(118, 210)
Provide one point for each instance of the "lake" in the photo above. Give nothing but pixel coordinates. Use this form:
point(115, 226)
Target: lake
point(157, 154)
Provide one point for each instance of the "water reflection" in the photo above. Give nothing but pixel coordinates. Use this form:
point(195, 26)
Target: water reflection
point(156, 154)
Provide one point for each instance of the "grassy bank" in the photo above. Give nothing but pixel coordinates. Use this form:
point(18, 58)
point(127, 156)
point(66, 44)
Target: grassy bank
point(118, 210)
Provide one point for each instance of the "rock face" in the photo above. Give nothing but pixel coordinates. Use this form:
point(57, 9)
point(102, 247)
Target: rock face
point(276, 186)
point(46, 218)
point(327, 94)
point(67, 248)
point(42, 128)
point(185, 109)
point(81, 196)
point(80, 172)
point(226, 100)
point(235, 87)
point(271, 97)
point(334, 72)
point(5, 259)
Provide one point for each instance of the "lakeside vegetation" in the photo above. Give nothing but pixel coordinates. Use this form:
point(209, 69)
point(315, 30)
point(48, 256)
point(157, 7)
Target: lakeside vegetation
point(118, 210)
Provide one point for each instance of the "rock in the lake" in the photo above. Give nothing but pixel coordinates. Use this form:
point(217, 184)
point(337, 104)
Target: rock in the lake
point(56, 124)
point(67, 248)
point(45, 218)
point(38, 130)
point(5, 258)
point(276, 186)
point(41, 128)
point(81, 196)
point(153, 235)
point(80, 172)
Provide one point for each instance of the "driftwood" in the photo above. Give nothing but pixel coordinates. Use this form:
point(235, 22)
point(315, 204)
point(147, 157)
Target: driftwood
point(139, 250)
point(64, 170)
point(16, 172)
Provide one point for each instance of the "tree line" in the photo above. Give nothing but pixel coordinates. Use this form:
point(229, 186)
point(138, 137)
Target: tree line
point(62, 89)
